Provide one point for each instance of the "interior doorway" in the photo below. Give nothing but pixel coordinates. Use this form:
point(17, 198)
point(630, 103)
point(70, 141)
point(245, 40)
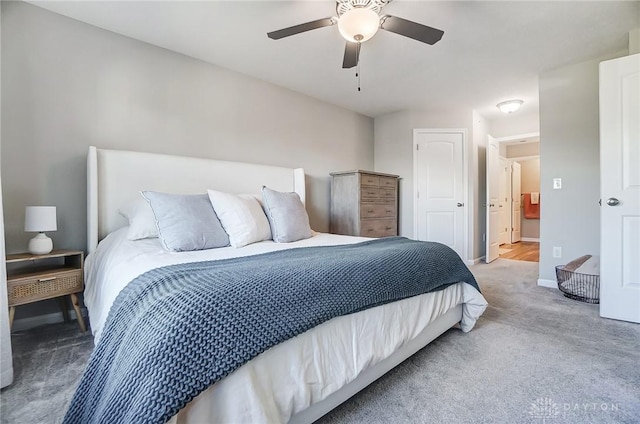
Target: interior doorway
point(516, 199)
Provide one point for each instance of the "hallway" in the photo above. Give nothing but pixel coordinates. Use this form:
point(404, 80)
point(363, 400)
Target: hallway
point(521, 251)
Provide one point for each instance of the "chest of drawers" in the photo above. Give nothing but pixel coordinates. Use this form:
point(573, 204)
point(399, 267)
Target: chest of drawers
point(364, 203)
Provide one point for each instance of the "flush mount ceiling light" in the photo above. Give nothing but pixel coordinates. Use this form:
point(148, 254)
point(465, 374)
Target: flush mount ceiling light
point(509, 106)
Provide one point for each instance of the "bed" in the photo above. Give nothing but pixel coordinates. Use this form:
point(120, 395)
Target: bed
point(300, 379)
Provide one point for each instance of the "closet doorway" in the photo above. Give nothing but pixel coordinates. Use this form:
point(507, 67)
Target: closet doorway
point(519, 202)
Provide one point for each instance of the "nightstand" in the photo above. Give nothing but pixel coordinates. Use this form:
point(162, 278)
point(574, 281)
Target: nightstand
point(31, 278)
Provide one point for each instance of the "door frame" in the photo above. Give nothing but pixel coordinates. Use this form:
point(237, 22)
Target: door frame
point(515, 159)
point(509, 180)
point(522, 159)
point(513, 202)
point(492, 178)
point(466, 197)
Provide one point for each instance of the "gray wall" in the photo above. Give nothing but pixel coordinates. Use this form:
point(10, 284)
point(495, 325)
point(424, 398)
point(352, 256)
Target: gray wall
point(515, 124)
point(394, 154)
point(569, 149)
point(68, 85)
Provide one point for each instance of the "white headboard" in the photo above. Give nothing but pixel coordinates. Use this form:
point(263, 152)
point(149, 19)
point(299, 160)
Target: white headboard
point(115, 178)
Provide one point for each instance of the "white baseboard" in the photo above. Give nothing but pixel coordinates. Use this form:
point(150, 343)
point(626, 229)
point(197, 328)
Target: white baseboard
point(548, 283)
point(536, 240)
point(38, 320)
point(471, 262)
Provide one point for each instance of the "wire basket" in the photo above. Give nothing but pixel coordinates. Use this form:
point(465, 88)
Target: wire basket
point(577, 286)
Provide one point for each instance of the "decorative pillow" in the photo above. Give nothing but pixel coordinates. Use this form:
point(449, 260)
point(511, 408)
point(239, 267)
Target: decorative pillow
point(241, 216)
point(287, 216)
point(186, 222)
point(142, 223)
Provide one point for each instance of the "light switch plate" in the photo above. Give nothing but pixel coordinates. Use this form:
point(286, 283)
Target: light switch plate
point(557, 183)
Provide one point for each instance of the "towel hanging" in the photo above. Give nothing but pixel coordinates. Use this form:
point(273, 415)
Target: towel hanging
point(531, 211)
point(535, 197)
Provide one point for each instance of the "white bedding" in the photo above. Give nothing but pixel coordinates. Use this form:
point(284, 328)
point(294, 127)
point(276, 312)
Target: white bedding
point(291, 376)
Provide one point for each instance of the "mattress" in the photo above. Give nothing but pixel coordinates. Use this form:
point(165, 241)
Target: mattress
point(293, 375)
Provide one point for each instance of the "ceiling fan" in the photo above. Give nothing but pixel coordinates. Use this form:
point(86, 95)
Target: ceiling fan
point(358, 21)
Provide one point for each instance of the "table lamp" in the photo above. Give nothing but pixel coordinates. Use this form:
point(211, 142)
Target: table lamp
point(40, 219)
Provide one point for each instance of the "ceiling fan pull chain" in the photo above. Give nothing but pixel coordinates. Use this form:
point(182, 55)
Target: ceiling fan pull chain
point(358, 64)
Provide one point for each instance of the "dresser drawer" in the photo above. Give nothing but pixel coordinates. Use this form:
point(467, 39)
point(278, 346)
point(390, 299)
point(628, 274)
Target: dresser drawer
point(387, 193)
point(368, 194)
point(378, 211)
point(369, 180)
point(388, 182)
point(44, 286)
point(378, 227)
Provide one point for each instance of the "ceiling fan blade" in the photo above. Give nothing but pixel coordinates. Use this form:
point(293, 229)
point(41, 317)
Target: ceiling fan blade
point(351, 55)
point(297, 29)
point(423, 33)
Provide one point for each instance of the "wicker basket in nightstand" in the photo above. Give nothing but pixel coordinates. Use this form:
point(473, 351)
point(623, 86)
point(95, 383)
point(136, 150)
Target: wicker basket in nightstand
point(31, 278)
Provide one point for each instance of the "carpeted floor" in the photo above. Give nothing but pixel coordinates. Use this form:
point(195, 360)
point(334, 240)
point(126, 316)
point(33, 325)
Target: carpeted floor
point(535, 356)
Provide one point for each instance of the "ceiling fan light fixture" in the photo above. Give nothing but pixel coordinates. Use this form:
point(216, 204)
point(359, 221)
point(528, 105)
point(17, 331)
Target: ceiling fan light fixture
point(359, 24)
point(509, 106)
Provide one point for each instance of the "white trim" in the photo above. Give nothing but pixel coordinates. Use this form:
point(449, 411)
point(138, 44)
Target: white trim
point(475, 261)
point(531, 239)
point(517, 137)
point(38, 320)
point(523, 158)
point(92, 199)
point(553, 284)
point(468, 226)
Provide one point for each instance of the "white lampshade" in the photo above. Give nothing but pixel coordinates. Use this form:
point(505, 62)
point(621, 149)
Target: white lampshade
point(40, 218)
point(359, 24)
point(509, 106)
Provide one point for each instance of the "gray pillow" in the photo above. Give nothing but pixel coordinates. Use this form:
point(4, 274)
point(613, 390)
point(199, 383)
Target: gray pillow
point(186, 221)
point(287, 216)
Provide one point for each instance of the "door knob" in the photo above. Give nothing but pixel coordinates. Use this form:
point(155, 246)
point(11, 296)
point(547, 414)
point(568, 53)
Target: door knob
point(459, 204)
point(612, 201)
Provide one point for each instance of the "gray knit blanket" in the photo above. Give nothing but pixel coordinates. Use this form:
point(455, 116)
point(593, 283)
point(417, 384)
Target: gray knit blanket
point(174, 331)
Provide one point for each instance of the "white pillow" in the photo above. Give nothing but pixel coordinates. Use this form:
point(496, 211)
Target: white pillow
point(142, 223)
point(241, 216)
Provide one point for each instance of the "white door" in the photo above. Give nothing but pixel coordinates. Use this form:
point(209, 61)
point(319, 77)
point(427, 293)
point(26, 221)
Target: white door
point(493, 197)
point(620, 188)
point(516, 202)
point(503, 208)
point(439, 184)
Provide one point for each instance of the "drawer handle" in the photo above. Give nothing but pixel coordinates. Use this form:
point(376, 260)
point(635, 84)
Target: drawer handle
point(389, 228)
point(370, 230)
point(43, 280)
point(389, 211)
point(370, 211)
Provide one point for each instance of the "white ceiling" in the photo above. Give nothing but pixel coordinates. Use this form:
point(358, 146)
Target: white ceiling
point(490, 52)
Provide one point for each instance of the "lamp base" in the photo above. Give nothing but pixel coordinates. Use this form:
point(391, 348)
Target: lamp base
point(40, 245)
